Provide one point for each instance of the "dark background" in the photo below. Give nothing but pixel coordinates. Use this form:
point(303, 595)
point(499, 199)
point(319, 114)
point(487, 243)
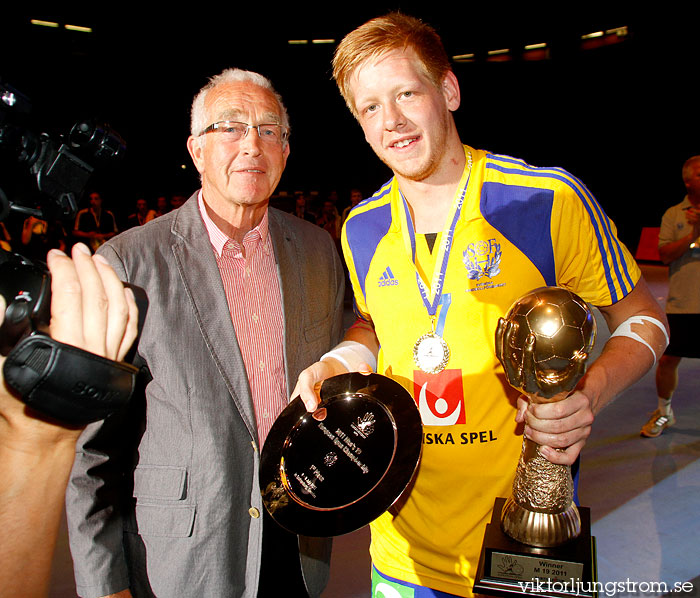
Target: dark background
point(620, 117)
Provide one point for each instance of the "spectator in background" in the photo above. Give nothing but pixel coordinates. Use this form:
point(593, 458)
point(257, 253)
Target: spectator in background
point(679, 247)
point(355, 198)
point(177, 200)
point(162, 205)
point(333, 196)
point(300, 210)
point(329, 219)
point(141, 215)
point(95, 225)
point(38, 236)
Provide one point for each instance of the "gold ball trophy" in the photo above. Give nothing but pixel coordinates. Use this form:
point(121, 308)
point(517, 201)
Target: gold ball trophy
point(539, 541)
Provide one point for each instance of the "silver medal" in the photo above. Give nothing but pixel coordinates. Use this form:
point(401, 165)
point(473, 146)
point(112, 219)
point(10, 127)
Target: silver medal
point(431, 353)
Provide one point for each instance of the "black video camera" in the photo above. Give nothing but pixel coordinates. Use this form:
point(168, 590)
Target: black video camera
point(60, 167)
point(59, 381)
point(26, 286)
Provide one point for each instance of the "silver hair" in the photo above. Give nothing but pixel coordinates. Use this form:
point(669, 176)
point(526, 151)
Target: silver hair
point(198, 120)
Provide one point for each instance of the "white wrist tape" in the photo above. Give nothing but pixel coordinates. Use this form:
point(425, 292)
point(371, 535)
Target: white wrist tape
point(351, 354)
point(625, 329)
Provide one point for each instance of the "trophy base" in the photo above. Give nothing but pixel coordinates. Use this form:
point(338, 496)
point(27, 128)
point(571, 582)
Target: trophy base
point(540, 529)
point(508, 568)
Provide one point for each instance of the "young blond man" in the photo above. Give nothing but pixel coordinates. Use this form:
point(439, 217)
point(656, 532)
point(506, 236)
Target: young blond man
point(460, 234)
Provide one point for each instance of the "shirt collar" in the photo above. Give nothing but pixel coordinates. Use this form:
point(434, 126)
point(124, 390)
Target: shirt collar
point(219, 239)
point(398, 219)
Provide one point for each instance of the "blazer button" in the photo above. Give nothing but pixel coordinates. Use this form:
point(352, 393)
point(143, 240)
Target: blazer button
point(253, 512)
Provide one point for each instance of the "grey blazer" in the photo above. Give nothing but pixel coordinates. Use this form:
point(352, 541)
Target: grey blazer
point(164, 498)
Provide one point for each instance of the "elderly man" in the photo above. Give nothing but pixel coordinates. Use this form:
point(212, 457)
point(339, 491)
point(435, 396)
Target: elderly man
point(448, 232)
point(241, 297)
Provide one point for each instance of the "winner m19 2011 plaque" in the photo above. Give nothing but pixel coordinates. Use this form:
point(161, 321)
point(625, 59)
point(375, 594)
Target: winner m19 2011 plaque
point(333, 471)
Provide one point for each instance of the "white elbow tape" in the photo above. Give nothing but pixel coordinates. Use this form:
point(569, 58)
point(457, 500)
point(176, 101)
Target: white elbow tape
point(351, 354)
point(625, 329)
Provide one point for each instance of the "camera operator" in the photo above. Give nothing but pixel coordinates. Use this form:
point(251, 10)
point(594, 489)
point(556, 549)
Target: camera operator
point(92, 310)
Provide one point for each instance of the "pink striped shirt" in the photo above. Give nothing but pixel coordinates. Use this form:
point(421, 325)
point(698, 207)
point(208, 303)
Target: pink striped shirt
point(249, 274)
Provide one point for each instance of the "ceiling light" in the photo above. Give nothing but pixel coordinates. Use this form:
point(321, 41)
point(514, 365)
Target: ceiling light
point(619, 31)
point(79, 28)
point(43, 23)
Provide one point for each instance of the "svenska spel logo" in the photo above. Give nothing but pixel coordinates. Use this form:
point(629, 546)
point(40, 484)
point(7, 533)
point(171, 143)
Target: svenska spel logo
point(440, 397)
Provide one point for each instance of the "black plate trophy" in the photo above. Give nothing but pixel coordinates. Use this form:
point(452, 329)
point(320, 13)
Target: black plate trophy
point(539, 542)
point(334, 471)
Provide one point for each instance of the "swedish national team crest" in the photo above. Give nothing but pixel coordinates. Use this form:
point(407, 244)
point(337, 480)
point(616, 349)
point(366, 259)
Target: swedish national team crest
point(482, 258)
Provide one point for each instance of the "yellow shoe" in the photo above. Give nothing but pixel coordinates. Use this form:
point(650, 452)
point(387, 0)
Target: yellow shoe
point(657, 423)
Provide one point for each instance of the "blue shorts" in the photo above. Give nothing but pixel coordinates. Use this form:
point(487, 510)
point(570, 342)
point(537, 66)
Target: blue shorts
point(384, 586)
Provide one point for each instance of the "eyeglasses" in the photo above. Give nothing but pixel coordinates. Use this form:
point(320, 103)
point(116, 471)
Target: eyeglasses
point(232, 131)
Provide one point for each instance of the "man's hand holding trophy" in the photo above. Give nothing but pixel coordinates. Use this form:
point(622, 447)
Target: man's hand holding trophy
point(543, 344)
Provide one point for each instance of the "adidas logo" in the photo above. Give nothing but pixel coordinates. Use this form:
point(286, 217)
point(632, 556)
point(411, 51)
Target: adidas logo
point(387, 279)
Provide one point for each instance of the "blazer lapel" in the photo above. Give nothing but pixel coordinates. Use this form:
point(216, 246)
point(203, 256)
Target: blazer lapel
point(202, 281)
point(285, 247)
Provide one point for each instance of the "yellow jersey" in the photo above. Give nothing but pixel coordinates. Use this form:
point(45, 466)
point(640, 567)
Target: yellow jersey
point(519, 228)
